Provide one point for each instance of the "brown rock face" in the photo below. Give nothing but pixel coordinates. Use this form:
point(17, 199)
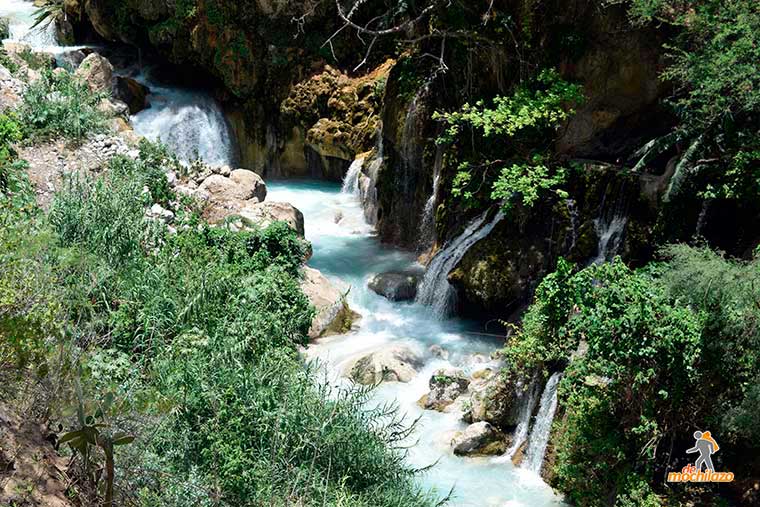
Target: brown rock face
point(132, 93)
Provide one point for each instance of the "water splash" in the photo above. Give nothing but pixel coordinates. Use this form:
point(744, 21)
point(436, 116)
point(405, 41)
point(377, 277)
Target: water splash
point(435, 289)
point(539, 436)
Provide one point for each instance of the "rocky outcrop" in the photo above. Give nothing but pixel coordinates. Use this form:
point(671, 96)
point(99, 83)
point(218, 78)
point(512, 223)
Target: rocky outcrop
point(333, 314)
point(479, 439)
point(446, 385)
point(396, 286)
point(264, 213)
point(97, 72)
point(396, 364)
point(225, 192)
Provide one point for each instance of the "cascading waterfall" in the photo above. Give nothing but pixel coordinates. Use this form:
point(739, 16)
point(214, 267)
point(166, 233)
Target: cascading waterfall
point(529, 400)
point(435, 289)
point(367, 182)
point(190, 123)
point(539, 436)
point(610, 225)
point(351, 180)
point(427, 224)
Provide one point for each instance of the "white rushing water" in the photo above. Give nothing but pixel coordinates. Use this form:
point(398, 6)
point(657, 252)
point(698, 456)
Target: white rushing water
point(427, 224)
point(435, 289)
point(539, 436)
point(529, 401)
point(351, 180)
point(190, 122)
point(20, 14)
point(348, 253)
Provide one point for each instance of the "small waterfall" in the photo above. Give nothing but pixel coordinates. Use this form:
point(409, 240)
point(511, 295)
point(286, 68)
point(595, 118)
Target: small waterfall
point(610, 224)
point(435, 289)
point(529, 400)
point(702, 219)
point(367, 182)
point(539, 437)
point(190, 123)
point(351, 180)
point(427, 224)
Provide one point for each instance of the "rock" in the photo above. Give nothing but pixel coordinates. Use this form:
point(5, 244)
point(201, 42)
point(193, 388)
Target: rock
point(395, 286)
point(96, 71)
point(113, 108)
point(132, 93)
point(250, 184)
point(494, 401)
point(396, 364)
point(479, 439)
point(439, 352)
point(333, 313)
point(5, 28)
point(264, 213)
point(159, 212)
point(64, 30)
point(229, 196)
point(446, 385)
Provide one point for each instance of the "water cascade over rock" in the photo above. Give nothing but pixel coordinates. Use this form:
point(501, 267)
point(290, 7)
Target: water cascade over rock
point(610, 224)
point(539, 436)
point(526, 414)
point(435, 289)
point(191, 123)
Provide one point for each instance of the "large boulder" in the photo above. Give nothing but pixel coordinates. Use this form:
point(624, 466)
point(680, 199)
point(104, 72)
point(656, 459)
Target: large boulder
point(494, 401)
point(333, 313)
point(132, 93)
point(96, 71)
point(446, 385)
point(396, 364)
point(479, 439)
point(396, 286)
point(226, 196)
point(262, 214)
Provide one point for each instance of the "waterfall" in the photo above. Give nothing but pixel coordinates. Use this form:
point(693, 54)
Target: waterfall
point(539, 437)
point(351, 180)
point(529, 400)
point(427, 224)
point(435, 289)
point(610, 224)
point(190, 123)
point(367, 182)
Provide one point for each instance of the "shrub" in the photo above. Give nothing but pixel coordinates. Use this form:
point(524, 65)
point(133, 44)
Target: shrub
point(58, 104)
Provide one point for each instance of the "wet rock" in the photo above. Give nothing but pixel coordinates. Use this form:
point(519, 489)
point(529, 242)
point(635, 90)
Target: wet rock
point(479, 439)
point(446, 385)
point(333, 313)
point(396, 286)
point(439, 352)
point(493, 400)
point(132, 93)
point(396, 364)
point(96, 71)
point(264, 213)
point(64, 30)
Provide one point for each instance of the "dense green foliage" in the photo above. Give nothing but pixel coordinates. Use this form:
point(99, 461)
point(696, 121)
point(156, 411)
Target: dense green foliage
point(58, 104)
point(514, 129)
point(713, 61)
point(187, 342)
point(645, 354)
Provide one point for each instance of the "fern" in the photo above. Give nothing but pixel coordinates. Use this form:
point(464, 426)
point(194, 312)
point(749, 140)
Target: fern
point(684, 169)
